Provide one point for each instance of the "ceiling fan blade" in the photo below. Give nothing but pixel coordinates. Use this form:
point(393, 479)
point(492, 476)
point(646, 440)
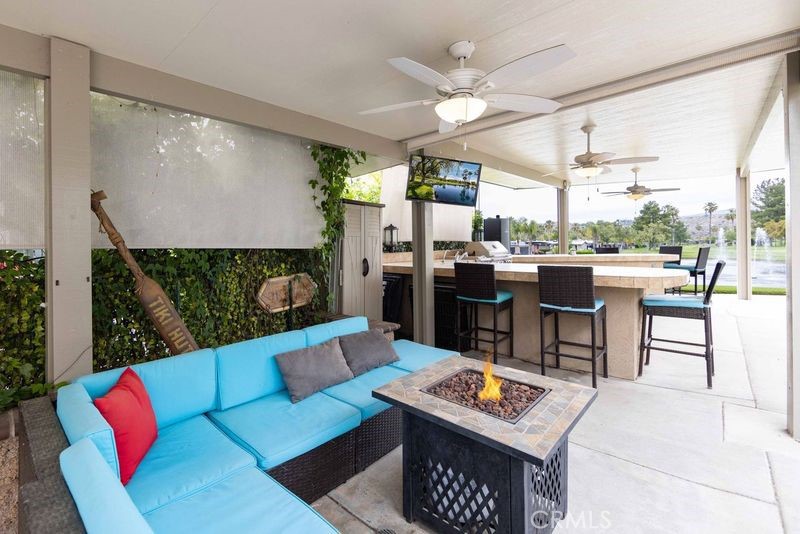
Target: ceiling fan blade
point(623, 161)
point(611, 193)
point(665, 189)
point(403, 105)
point(602, 157)
point(522, 103)
point(445, 126)
point(420, 72)
point(528, 66)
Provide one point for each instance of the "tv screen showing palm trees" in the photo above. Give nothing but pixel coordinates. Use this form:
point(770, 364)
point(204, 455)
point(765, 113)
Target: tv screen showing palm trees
point(447, 181)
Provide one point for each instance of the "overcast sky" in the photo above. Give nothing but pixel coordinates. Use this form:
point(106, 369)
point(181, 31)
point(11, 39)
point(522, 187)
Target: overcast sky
point(540, 204)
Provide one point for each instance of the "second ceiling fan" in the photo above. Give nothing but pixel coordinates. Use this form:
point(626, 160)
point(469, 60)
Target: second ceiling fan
point(464, 93)
point(637, 191)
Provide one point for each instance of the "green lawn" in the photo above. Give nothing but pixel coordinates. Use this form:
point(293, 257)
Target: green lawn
point(731, 290)
point(777, 254)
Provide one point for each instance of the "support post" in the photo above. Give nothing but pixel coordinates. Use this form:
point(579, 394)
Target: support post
point(744, 251)
point(791, 99)
point(422, 258)
point(563, 218)
point(69, 238)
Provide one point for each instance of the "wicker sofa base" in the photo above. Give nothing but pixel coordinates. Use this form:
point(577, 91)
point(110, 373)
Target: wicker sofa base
point(313, 474)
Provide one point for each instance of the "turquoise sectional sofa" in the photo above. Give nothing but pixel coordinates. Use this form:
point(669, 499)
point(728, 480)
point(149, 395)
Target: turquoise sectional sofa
point(224, 421)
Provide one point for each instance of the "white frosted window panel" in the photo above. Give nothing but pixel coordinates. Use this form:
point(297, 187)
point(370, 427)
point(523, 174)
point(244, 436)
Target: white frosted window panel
point(22, 177)
point(179, 180)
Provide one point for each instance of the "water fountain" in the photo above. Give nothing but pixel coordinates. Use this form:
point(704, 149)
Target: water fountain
point(763, 242)
point(722, 245)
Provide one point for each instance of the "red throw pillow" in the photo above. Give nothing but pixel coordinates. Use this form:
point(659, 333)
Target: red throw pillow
point(127, 409)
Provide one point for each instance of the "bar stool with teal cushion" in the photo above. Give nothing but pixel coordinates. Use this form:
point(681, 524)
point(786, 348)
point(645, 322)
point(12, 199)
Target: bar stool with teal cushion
point(684, 307)
point(699, 267)
point(570, 290)
point(476, 286)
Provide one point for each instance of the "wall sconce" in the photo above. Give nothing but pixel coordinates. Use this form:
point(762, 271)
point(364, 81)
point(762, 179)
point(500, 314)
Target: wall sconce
point(390, 237)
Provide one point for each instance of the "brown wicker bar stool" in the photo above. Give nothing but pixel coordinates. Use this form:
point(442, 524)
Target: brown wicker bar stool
point(571, 290)
point(699, 267)
point(684, 307)
point(476, 285)
point(671, 249)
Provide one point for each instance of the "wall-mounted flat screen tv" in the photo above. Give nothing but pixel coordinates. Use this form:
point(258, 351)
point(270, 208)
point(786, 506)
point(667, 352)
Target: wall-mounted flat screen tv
point(446, 181)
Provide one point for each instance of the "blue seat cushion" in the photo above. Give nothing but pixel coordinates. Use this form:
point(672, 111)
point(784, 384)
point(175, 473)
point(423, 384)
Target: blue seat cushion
point(185, 458)
point(598, 303)
point(674, 301)
point(275, 430)
point(679, 266)
point(502, 296)
point(415, 356)
point(358, 391)
point(249, 501)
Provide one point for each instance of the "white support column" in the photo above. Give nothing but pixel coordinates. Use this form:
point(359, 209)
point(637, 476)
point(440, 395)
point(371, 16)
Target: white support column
point(744, 281)
point(563, 219)
point(422, 258)
point(791, 99)
point(69, 243)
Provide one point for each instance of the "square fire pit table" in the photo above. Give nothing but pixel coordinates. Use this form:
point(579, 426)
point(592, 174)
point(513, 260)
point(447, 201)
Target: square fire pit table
point(465, 470)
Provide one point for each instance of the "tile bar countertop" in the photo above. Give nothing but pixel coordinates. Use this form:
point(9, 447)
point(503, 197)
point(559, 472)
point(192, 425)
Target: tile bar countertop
point(604, 276)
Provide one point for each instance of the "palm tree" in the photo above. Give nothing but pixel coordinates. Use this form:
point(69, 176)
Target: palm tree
point(731, 216)
point(710, 208)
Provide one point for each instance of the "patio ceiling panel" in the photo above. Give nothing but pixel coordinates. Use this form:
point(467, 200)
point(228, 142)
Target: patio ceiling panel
point(699, 127)
point(328, 59)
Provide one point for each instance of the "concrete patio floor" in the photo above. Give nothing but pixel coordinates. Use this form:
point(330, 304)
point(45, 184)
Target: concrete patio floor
point(663, 454)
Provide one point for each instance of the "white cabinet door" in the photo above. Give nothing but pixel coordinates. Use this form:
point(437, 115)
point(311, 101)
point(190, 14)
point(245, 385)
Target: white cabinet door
point(373, 252)
point(352, 259)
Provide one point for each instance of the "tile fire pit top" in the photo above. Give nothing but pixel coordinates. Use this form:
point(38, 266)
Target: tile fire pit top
point(532, 438)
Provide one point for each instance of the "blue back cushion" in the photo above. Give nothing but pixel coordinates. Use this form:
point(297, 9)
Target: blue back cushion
point(180, 386)
point(101, 498)
point(321, 333)
point(248, 371)
point(80, 419)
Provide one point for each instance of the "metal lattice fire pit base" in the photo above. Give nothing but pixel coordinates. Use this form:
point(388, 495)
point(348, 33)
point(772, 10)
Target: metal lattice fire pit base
point(459, 484)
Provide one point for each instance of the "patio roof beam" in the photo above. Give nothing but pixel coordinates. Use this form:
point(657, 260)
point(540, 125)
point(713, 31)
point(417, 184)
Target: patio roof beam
point(456, 151)
point(770, 46)
point(761, 120)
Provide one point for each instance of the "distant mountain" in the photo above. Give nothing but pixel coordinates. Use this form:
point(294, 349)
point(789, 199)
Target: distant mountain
point(718, 220)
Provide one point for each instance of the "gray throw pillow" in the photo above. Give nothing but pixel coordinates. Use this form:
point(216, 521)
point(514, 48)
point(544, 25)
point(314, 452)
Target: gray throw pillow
point(365, 351)
point(312, 369)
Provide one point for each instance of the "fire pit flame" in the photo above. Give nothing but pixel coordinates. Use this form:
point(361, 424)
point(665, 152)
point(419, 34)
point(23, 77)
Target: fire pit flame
point(491, 388)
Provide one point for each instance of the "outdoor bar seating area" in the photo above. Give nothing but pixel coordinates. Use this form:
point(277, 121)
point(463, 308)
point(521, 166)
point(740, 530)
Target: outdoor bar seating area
point(399, 267)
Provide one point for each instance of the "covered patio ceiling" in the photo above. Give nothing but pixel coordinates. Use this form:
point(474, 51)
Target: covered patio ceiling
point(328, 60)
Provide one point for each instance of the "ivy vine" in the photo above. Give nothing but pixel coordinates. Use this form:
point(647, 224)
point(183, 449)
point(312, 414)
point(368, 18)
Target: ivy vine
point(327, 191)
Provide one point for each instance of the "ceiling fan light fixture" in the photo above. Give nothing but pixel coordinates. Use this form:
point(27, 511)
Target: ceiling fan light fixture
point(635, 196)
point(588, 172)
point(460, 108)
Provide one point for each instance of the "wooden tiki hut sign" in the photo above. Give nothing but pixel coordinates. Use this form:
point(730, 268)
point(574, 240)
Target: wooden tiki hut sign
point(286, 292)
point(156, 303)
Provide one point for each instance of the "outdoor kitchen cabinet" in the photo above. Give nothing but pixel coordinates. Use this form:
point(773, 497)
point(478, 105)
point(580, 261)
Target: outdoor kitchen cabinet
point(361, 273)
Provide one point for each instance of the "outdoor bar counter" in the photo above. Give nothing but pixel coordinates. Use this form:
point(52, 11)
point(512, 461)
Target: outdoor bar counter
point(621, 260)
point(622, 288)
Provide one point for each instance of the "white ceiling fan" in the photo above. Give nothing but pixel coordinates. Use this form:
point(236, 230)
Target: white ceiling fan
point(591, 164)
point(637, 191)
point(464, 92)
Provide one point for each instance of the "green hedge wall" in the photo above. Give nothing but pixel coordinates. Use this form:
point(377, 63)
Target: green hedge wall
point(22, 327)
point(213, 290)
